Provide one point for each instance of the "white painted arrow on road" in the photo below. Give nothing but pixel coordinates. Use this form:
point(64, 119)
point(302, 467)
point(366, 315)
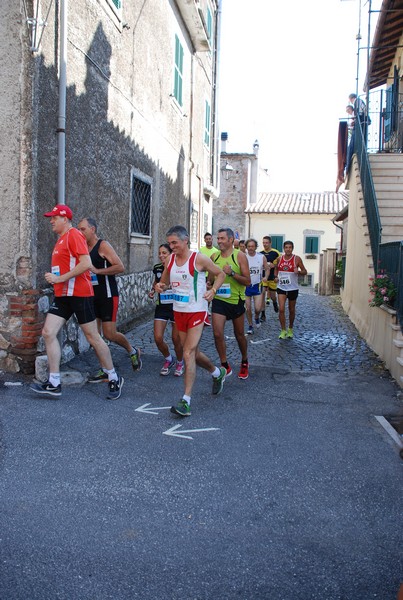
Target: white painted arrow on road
point(174, 433)
point(151, 411)
point(260, 341)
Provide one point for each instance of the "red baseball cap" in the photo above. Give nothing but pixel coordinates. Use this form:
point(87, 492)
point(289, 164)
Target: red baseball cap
point(60, 209)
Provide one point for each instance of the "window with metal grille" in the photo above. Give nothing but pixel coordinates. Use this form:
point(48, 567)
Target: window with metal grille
point(277, 242)
point(311, 244)
point(207, 112)
point(178, 71)
point(140, 206)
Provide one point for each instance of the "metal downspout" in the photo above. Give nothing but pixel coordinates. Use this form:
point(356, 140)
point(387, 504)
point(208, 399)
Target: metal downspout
point(61, 123)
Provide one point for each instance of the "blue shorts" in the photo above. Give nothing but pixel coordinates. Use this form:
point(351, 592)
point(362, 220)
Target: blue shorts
point(253, 290)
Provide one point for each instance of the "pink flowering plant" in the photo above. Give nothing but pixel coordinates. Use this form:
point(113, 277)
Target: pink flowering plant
point(382, 289)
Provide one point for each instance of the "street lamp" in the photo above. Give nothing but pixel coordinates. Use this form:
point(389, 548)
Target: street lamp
point(226, 170)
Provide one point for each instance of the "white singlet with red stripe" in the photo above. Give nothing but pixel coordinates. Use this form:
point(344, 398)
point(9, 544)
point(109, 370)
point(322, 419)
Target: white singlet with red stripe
point(188, 285)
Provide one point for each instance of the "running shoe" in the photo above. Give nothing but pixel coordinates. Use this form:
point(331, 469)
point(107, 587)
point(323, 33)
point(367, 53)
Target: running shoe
point(218, 382)
point(250, 330)
point(290, 333)
point(244, 371)
point(167, 366)
point(115, 388)
point(263, 317)
point(46, 388)
point(179, 369)
point(267, 302)
point(182, 409)
point(275, 306)
point(257, 323)
point(283, 334)
point(228, 369)
point(136, 360)
point(98, 377)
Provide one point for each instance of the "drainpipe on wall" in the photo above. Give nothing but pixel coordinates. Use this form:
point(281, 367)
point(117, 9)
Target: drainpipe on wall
point(61, 128)
point(254, 174)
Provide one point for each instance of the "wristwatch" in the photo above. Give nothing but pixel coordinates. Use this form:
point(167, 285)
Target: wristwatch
point(232, 273)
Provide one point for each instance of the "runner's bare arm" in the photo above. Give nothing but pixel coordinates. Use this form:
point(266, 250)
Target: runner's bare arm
point(163, 283)
point(84, 263)
point(204, 263)
point(300, 265)
point(244, 277)
point(107, 252)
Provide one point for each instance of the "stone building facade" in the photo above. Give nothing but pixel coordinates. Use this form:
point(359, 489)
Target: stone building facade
point(140, 143)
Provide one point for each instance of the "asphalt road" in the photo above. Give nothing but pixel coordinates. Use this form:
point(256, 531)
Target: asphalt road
point(285, 487)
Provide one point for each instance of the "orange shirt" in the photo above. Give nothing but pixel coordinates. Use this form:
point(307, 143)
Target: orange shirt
point(66, 252)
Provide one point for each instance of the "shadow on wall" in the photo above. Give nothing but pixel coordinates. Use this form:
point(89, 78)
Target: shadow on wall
point(99, 160)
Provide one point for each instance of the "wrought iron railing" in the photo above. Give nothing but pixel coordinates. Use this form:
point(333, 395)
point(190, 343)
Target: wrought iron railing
point(387, 256)
point(371, 204)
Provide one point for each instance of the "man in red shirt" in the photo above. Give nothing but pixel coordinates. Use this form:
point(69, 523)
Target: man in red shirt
point(73, 292)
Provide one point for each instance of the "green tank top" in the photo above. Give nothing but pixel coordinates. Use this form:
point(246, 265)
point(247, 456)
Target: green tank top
point(231, 291)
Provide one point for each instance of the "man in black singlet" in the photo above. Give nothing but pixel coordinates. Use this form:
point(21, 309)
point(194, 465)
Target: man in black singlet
point(105, 265)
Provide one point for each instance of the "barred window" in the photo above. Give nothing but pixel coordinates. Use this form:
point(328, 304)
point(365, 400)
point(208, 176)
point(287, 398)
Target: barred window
point(140, 206)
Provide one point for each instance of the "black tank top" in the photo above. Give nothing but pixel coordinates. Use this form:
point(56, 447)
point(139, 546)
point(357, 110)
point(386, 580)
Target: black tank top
point(105, 286)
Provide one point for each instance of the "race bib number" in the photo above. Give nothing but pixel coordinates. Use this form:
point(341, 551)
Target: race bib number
point(224, 291)
point(284, 280)
point(181, 298)
point(56, 270)
point(94, 279)
point(166, 297)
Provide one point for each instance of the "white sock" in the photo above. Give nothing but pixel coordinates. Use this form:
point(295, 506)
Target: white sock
point(54, 379)
point(169, 357)
point(186, 398)
point(216, 372)
point(112, 375)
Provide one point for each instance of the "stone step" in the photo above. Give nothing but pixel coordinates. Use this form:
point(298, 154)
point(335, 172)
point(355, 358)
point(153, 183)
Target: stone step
point(386, 159)
point(398, 343)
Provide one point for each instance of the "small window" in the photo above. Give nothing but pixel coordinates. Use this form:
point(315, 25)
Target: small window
point(178, 72)
point(277, 242)
point(311, 245)
point(207, 112)
point(140, 206)
point(306, 280)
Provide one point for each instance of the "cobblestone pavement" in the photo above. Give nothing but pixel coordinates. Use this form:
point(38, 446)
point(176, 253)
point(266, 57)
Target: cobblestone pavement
point(324, 340)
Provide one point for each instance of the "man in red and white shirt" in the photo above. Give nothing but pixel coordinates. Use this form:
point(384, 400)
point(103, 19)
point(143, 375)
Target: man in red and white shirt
point(286, 276)
point(73, 292)
point(186, 274)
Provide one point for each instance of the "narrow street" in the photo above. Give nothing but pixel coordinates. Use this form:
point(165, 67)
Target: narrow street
point(283, 487)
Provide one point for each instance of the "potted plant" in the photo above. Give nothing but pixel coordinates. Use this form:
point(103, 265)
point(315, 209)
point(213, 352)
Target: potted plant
point(382, 290)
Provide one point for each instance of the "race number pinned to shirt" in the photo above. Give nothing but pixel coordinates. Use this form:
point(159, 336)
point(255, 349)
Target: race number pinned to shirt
point(166, 297)
point(224, 291)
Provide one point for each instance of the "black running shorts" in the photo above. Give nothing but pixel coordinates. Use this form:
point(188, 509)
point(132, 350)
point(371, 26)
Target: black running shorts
point(65, 306)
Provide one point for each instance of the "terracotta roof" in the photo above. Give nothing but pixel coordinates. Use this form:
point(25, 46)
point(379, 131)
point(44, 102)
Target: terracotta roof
point(389, 28)
point(327, 203)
